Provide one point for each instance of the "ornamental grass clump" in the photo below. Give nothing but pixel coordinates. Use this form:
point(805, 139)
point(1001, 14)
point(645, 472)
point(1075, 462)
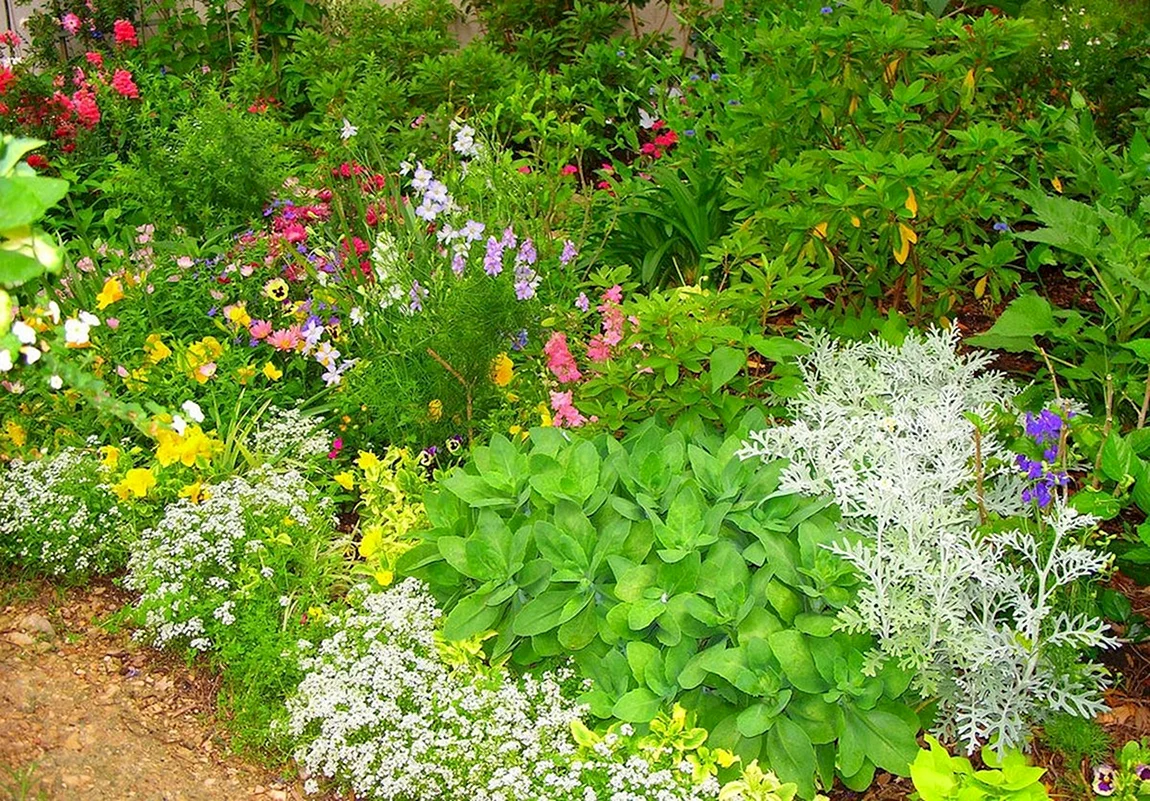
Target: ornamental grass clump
point(384, 710)
point(978, 613)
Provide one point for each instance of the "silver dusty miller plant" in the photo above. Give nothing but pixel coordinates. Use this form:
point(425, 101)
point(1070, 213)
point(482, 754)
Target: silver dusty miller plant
point(974, 617)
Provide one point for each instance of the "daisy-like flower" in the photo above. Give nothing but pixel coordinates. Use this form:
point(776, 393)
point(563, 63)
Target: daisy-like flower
point(348, 130)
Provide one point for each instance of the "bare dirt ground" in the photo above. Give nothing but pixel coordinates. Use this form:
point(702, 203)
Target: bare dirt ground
point(85, 714)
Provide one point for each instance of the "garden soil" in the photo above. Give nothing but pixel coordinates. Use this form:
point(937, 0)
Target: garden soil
point(86, 714)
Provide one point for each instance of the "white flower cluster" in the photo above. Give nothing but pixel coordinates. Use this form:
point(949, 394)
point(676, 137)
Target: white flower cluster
point(56, 514)
point(379, 710)
point(201, 557)
point(975, 617)
point(288, 433)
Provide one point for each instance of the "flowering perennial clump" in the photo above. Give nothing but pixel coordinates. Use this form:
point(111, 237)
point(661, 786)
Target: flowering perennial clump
point(974, 616)
point(383, 710)
point(207, 561)
point(58, 515)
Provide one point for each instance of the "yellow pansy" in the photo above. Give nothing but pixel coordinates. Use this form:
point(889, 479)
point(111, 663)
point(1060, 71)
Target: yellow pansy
point(272, 373)
point(346, 479)
point(276, 289)
point(135, 483)
point(113, 291)
point(110, 455)
point(502, 370)
point(155, 351)
point(435, 410)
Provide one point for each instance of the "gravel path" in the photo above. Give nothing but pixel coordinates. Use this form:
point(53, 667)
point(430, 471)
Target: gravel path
point(85, 714)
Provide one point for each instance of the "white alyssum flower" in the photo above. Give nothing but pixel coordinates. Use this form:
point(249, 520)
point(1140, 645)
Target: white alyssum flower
point(289, 433)
point(381, 712)
point(56, 515)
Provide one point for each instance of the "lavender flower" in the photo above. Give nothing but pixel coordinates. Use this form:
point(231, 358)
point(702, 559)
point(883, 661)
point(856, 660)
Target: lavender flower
point(520, 341)
point(526, 254)
point(569, 253)
point(582, 303)
point(493, 259)
point(458, 262)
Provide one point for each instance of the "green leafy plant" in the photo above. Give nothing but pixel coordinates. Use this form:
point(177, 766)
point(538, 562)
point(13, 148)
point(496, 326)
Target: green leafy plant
point(938, 776)
point(26, 252)
point(673, 573)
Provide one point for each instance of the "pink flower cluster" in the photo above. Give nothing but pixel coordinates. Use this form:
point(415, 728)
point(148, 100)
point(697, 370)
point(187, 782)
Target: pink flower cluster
point(124, 33)
point(122, 82)
point(559, 359)
point(599, 348)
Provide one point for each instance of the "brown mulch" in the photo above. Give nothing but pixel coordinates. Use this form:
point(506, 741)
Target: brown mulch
point(87, 714)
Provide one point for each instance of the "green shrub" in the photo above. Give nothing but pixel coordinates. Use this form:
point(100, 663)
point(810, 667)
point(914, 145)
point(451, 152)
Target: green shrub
point(672, 572)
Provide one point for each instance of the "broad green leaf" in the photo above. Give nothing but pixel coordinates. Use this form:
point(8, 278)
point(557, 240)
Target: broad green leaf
point(637, 706)
point(794, 656)
point(1026, 317)
point(726, 362)
point(885, 735)
point(471, 616)
point(542, 613)
point(791, 756)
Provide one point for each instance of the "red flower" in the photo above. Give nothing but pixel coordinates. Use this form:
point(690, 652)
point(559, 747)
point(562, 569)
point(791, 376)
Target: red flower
point(95, 59)
point(125, 33)
point(7, 78)
point(38, 162)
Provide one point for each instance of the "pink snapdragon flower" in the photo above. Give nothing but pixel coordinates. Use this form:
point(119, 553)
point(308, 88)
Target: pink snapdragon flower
point(566, 415)
point(559, 359)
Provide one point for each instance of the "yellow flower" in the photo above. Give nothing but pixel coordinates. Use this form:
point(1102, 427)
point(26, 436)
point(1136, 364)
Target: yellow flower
point(314, 613)
point(201, 358)
point(367, 460)
point(238, 314)
point(435, 410)
point(544, 415)
point(384, 577)
point(245, 374)
point(346, 479)
point(195, 492)
point(110, 454)
point(187, 449)
point(371, 541)
point(517, 430)
point(155, 350)
point(272, 373)
point(136, 483)
point(276, 289)
point(16, 433)
point(112, 292)
point(501, 370)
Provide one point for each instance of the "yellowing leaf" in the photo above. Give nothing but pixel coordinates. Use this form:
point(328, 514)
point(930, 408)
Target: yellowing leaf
point(911, 202)
point(854, 105)
point(855, 221)
point(901, 251)
point(891, 69)
point(980, 287)
point(907, 233)
point(820, 230)
point(1057, 184)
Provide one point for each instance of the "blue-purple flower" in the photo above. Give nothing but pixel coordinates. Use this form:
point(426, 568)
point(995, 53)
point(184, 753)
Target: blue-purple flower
point(493, 259)
point(569, 252)
point(582, 303)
